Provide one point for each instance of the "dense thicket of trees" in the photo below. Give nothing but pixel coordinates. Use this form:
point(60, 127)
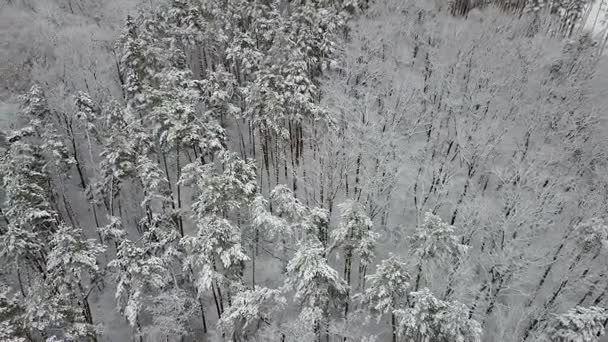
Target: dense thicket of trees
point(308, 170)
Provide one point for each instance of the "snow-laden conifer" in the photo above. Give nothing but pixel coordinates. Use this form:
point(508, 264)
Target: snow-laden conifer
point(429, 318)
point(579, 324)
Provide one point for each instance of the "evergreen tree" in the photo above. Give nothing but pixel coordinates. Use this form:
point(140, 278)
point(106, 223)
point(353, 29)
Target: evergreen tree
point(221, 192)
point(285, 204)
point(32, 219)
point(387, 290)
point(264, 222)
point(12, 328)
point(136, 68)
point(73, 273)
point(118, 156)
point(250, 308)
point(434, 242)
point(42, 125)
point(172, 311)
point(316, 284)
point(113, 231)
point(354, 235)
point(429, 318)
point(30, 212)
point(139, 276)
point(215, 254)
point(579, 325)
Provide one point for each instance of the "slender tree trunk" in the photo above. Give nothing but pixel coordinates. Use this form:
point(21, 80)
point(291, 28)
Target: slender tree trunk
point(252, 133)
point(175, 220)
point(463, 194)
point(242, 146)
point(321, 183)
point(217, 303)
point(138, 324)
point(179, 191)
point(357, 190)
point(293, 142)
point(21, 287)
point(200, 300)
point(394, 326)
point(276, 160)
point(253, 254)
point(347, 267)
point(78, 164)
point(418, 276)
point(362, 275)
point(96, 222)
point(89, 317)
point(265, 150)
point(68, 208)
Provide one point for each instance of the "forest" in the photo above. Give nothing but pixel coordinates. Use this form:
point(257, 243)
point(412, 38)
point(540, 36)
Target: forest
point(303, 170)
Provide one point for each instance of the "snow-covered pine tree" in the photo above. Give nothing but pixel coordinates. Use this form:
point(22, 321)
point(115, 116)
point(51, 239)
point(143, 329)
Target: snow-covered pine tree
point(218, 93)
point(434, 242)
point(118, 157)
point(31, 217)
point(285, 204)
point(89, 118)
point(316, 285)
point(265, 226)
point(355, 237)
point(30, 210)
point(12, 328)
point(244, 56)
point(266, 223)
point(42, 121)
point(60, 265)
point(579, 324)
point(221, 94)
point(88, 113)
point(387, 290)
point(216, 258)
point(113, 231)
point(173, 306)
point(157, 203)
point(144, 269)
point(429, 318)
point(177, 124)
point(171, 314)
point(215, 254)
point(249, 309)
point(316, 225)
point(139, 278)
point(73, 273)
point(303, 223)
point(222, 187)
point(308, 222)
point(136, 68)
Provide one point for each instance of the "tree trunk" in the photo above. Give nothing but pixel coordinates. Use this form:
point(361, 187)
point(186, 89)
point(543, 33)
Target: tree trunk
point(418, 276)
point(203, 315)
point(394, 326)
point(179, 192)
point(217, 303)
point(347, 271)
point(175, 220)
